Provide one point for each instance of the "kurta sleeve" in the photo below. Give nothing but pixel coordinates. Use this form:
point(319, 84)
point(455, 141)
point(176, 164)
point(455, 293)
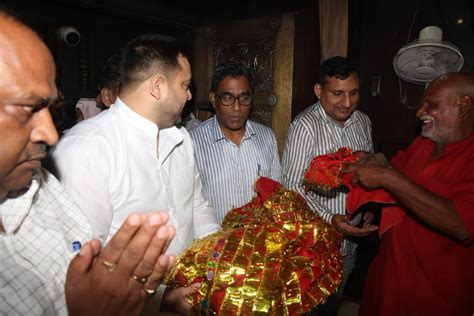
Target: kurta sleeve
point(205, 221)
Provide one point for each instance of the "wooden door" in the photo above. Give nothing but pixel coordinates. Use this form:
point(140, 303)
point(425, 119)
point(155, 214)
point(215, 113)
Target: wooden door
point(265, 46)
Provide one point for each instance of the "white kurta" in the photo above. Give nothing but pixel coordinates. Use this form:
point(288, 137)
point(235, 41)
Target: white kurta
point(113, 165)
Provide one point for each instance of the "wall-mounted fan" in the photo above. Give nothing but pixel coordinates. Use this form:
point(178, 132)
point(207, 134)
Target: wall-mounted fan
point(427, 57)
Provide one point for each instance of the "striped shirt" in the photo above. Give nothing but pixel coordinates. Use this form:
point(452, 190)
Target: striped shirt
point(314, 133)
point(228, 171)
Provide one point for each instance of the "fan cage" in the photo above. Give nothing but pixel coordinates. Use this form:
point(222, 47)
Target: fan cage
point(430, 58)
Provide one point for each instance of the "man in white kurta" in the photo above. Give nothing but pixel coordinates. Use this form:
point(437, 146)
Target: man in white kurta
point(113, 165)
point(40, 226)
point(133, 158)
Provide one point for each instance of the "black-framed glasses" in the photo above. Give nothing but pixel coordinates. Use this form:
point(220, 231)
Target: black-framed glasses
point(228, 99)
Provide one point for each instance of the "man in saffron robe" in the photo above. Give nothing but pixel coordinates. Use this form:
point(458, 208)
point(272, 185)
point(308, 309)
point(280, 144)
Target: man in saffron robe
point(425, 262)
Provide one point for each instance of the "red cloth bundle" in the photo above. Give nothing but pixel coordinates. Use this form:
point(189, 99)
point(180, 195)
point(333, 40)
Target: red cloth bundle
point(330, 171)
point(327, 172)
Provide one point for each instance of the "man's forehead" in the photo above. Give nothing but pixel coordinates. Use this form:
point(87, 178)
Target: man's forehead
point(439, 87)
point(21, 46)
point(440, 94)
point(347, 84)
point(230, 82)
point(27, 67)
point(14, 34)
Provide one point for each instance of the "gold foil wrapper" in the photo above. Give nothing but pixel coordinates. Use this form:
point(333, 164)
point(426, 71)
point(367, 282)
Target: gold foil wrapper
point(276, 257)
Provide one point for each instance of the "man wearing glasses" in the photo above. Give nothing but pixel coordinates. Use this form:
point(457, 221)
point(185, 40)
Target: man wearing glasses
point(232, 151)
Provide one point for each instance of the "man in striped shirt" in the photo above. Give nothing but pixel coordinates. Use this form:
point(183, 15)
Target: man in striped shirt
point(232, 151)
point(322, 128)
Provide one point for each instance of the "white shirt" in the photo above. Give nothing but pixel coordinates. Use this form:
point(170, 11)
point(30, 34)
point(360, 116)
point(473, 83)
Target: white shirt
point(229, 171)
point(110, 166)
point(88, 107)
point(36, 248)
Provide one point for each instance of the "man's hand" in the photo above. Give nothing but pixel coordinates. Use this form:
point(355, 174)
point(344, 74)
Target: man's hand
point(174, 300)
point(361, 154)
point(372, 159)
point(343, 226)
point(370, 176)
point(369, 169)
point(368, 219)
point(119, 279)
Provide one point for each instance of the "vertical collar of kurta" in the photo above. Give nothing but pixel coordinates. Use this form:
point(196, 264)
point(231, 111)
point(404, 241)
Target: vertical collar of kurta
point(162, 142)
point(142, 127)
point(218, 135)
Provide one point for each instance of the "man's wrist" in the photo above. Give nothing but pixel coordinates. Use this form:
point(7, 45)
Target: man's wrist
point(155, 302)
point(331, 219)
point(168, 302)
point(388, 178)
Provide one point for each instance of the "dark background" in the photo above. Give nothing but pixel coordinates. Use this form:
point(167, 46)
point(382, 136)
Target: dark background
point(377, 29)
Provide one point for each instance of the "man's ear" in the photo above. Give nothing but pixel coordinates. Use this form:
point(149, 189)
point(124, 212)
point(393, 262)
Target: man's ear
point(212, 99)
point(465, 105)
point(156, 86)
point(318, 89)
point(106, 96)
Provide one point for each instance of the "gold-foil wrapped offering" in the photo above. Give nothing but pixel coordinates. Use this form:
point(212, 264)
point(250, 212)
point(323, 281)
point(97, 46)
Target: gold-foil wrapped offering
point(273, 256)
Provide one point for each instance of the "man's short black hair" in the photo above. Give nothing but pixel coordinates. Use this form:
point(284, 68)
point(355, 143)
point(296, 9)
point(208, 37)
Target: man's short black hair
point(337, 66)
point(230, 68)
point(109, 76)
point(146, 55)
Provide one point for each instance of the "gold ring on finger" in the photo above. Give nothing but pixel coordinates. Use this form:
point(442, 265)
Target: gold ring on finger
point(141, 280)
point(109, 265)
point(150, 292)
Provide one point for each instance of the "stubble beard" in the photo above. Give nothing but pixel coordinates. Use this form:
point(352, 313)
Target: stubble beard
point(431, 133)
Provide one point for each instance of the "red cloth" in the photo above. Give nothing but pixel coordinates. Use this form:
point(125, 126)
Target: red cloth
point(330, 171)
point(419, 271)
point(391, 215)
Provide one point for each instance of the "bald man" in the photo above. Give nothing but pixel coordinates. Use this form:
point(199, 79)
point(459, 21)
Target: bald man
point(425, 262)
point(40, 227)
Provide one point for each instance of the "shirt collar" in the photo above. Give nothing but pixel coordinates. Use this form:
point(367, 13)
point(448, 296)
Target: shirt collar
point(218, 135)
point(15, 210)
point(216, 131)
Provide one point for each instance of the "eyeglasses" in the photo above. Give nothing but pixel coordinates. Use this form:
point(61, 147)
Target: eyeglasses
point(228, 99)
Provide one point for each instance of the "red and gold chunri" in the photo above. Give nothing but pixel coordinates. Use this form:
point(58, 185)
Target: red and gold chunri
point(327, 172)
point(274, 256)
